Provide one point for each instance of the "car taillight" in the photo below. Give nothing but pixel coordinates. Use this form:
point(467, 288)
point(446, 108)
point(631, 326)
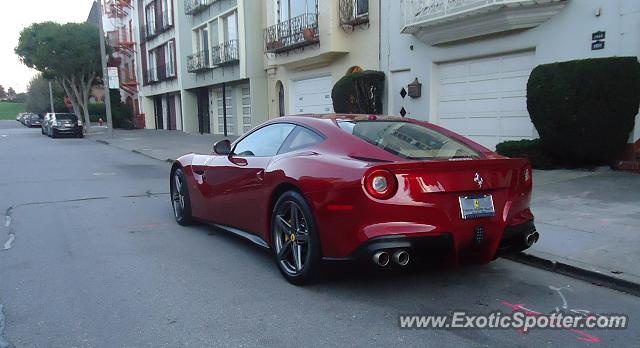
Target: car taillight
point(381, 184)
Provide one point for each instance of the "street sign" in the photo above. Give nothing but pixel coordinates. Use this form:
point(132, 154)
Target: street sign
point(114, 82)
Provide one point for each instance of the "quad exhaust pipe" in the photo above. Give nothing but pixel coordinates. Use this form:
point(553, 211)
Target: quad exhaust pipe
point(531, 238)
point(401, 258)
point(383, 258)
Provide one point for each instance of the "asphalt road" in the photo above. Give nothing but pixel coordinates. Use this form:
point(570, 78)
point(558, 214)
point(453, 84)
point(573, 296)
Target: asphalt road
point(94, 259)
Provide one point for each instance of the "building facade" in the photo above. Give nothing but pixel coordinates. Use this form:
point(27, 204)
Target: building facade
point(471, 59)
point(120, 23)
point(223, 78)
point(310, 45)
point(159, 59)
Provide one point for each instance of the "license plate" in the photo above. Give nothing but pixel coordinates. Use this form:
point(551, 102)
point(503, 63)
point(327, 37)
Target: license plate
point(473, 207)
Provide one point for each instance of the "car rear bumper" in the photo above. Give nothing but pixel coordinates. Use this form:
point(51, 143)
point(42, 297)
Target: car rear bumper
point(480, 249)
point(61, 131)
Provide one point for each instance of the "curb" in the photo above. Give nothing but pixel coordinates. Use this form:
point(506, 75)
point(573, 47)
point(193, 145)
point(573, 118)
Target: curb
point(568, 270)
point(168, 160)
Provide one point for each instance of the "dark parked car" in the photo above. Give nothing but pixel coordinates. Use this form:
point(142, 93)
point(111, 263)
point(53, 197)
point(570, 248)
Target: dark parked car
point(59, 124)
point(33, 120)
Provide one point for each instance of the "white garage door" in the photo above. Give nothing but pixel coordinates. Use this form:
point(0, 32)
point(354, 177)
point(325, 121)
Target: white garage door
point(486, 99)
point(311, 96)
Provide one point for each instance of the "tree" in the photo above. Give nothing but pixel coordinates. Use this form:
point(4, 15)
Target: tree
point(68, 53)
point(38, 96)
point(11, 93)
point(359, 93)
point(3, 93)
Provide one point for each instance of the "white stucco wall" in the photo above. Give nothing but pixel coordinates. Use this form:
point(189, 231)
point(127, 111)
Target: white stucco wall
point(566, 36)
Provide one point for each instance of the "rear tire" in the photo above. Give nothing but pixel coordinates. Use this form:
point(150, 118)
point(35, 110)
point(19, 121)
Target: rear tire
point(180, 200)
point(294, 239)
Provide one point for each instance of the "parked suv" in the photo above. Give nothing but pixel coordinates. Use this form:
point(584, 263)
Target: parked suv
point(63, 124)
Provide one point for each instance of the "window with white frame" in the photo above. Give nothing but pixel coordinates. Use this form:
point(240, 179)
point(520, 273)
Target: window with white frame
point(288, 9)
point(167, 12)
point(360, 8)
point(153, 73)
point(150, 19)
point(231, 27)
point(170, 58)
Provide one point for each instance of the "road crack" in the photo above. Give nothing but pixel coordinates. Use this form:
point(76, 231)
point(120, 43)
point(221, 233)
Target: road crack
point(7, 215)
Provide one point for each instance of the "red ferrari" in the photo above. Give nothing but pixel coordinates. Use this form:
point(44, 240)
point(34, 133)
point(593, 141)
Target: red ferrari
point(388, 190)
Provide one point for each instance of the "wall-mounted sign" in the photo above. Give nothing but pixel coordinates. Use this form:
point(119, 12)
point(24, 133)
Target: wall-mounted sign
point(598, 35)
point(114, 82)
point(597, 39)
point(597, 45)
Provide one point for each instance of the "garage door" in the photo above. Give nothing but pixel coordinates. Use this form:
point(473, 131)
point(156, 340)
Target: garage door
point(311, 96)
point(486, 99)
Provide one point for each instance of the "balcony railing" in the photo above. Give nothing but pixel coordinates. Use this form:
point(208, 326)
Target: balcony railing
point(424, 11)
point(198, 61)
point(354, 12)
point(287, 35)
point(151, 32)
point(159, 73)
point(225, 53)
point(192, 7)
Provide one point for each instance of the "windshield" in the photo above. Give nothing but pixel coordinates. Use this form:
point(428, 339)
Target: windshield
point(409, 140)
point(66, 117)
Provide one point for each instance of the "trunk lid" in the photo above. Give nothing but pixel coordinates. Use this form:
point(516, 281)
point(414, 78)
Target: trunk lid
point(459, 175)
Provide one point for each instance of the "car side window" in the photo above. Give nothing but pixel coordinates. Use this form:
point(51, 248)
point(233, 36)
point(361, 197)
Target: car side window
point(300, 138)
point(264, 142)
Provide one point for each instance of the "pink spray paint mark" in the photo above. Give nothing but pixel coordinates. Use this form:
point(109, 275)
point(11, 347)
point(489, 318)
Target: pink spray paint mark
point(582, 336)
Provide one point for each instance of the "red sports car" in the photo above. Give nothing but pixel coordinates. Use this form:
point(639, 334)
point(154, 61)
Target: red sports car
point(383, 189)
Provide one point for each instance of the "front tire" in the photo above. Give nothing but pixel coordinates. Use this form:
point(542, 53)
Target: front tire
point(54, 134)
point(294, 239)
point(180, 200)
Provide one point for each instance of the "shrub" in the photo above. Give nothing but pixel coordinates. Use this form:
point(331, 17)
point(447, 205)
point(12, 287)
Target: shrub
point(122, 113)
point(584, 110)
point(359, 93)
point(530, 149)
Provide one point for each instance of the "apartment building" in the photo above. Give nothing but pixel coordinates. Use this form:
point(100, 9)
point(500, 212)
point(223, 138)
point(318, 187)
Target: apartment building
point(310, 45)
point(161, 92)
point(469, 60)
point(120, 22)
point(223, 77)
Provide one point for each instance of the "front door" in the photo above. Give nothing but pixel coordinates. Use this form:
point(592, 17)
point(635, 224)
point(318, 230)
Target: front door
point(159, 113)
point(171, 112)
point(204, 124)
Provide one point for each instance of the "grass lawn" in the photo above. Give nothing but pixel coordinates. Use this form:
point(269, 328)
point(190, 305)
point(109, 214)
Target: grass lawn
point(9, 111)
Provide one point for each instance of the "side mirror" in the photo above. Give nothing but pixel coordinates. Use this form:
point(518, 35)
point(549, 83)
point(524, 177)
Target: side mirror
point(222, 147)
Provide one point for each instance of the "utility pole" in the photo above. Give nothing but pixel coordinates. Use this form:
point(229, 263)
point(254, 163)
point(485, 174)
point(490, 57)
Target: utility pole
point(105, 74)
point(51, 97)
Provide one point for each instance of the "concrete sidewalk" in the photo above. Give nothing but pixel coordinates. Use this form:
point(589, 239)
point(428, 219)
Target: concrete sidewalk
point(163, 145)
point(589, 221)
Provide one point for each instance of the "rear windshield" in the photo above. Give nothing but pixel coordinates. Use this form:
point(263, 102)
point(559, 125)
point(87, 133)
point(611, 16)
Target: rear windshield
point(409, 140)
point(72, 117)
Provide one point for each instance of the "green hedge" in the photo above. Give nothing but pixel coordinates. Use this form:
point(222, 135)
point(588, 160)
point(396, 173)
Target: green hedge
point(359, 93)
point(122, 113)
point(584, 110)
point(530, 149)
